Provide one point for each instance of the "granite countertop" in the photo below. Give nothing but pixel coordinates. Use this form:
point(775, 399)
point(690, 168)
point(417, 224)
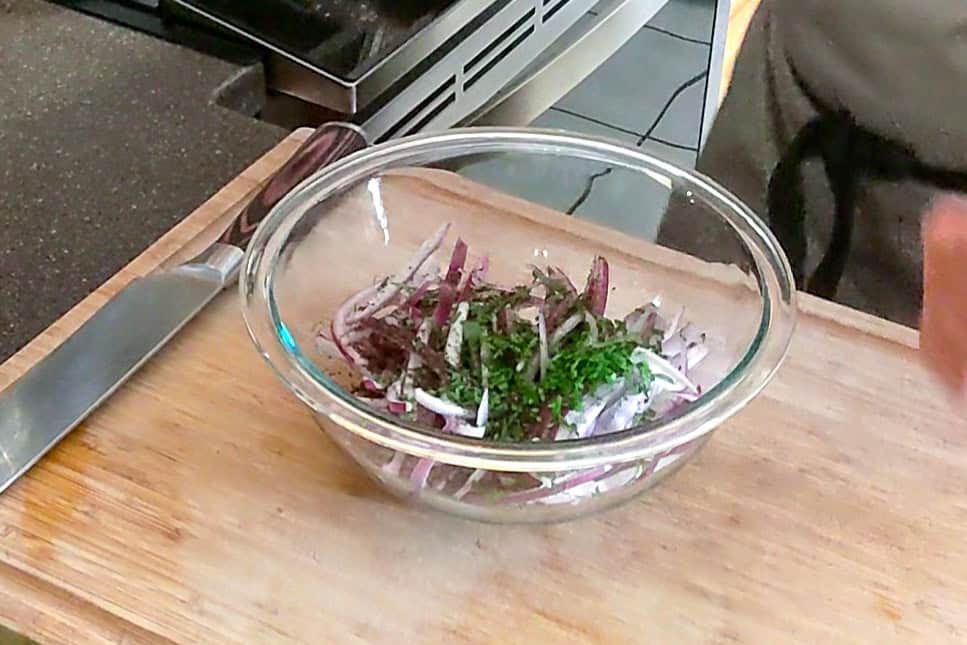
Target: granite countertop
point(108, 137)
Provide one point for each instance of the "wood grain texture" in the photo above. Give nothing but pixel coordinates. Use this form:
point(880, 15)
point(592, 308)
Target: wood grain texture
point(201, 506)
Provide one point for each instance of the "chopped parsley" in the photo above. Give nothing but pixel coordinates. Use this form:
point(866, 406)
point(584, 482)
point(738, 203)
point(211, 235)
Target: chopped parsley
point(516, 400)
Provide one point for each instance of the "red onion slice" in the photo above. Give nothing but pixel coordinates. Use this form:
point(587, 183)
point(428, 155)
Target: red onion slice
point(457, 260)
point(392, 287)
point(543, 354)
point(441, 406)
point(483, 410)
point(596, 291)
point(454, 341)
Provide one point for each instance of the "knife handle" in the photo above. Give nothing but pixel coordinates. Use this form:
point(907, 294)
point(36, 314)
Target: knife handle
point(328, 144)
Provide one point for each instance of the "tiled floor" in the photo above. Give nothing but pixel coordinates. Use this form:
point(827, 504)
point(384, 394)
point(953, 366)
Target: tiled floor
point(649, 94)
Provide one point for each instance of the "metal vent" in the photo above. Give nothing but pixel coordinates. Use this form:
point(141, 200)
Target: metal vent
point(551, 8)
point(487, 59)
point(477, 66)
point(425, 111)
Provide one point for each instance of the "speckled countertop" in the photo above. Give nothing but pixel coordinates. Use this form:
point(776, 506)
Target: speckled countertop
point(108, 137)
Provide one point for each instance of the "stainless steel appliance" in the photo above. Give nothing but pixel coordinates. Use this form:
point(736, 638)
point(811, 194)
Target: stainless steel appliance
point(408, 71)
point(412, 65)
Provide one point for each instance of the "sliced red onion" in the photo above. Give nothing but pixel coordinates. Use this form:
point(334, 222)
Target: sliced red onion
point(592, 327)
point(679, 363)
point(620, 415)
point(566, 328)
point(457, 260)
point(660, 366)
point(556, 313)
point(456, 425)
point(483, 410)
point(422, 336)
point(441, 406)
point(391, 288)
point(637, 320)
point(572, 481)
point(690, 334)
point(371, 385)
point(417, 296)
point(396, 398)
point(695, 355)
point(596, 290)
point(576, 484)
point(447, 297)
point(544, 354)
point(505, 320)
point(667, 403)
point(673, 346)
point(558, 274)
point(672, 327)
point(684, 348)
point(455, 335)
point(353, 357)
point(581, 423)
point(340, 324)
point(393, 465)
point(398, 407)
point(356, 335)
point(467, 430)
point(421, 472)
point(688, 397)
point(507, 480)
point(474, 477)
point(477, 275)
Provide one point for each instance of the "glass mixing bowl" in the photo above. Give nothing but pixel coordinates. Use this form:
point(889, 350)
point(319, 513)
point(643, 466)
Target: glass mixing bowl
point(668, 233)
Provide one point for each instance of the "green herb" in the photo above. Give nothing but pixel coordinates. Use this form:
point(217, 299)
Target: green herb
point(497, 360)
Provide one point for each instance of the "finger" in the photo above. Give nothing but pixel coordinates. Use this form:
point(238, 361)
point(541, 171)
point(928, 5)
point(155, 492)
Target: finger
point(945, 258)
point(943, 358)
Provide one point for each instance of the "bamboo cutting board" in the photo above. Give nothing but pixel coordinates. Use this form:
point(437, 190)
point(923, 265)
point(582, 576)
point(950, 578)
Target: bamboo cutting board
point(203, 504)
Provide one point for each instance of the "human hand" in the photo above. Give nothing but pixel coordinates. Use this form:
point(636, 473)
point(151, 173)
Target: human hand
point(943, 326)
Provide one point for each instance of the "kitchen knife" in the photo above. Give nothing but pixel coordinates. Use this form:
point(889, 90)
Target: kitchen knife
point(55, 395)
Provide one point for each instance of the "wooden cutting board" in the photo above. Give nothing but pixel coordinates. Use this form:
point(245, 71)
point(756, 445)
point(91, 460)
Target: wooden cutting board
point(203, 504)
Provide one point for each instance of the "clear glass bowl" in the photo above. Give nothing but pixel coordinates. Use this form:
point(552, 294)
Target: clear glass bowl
point(362, 218)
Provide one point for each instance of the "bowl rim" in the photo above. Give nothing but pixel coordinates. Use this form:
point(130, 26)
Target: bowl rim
point(737, 388)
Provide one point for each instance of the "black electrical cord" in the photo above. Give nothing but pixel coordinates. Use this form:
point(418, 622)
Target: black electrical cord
point(678, 36)
point(673, 144)
point(668, 104)
point(591, 119)
point(648, 134)
point(583, 197)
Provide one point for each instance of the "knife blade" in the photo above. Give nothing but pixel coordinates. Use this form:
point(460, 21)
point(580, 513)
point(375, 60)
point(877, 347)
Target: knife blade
point(63, 388)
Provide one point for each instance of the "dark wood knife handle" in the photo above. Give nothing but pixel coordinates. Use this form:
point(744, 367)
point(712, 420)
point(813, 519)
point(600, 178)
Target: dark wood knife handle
point(328, 144)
